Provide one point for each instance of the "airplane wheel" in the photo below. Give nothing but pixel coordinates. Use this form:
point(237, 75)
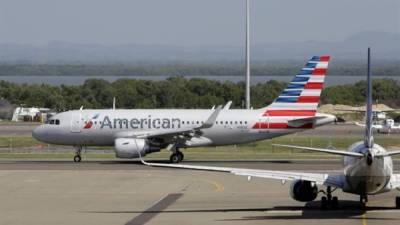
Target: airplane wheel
point(335, 202)
point(77, 158)
point(324, 202)
point(397, 202)
point(175, 158)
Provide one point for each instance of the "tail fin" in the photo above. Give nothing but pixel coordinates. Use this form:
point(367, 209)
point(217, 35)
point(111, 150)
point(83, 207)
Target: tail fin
point(302, 95)
point(369, 139)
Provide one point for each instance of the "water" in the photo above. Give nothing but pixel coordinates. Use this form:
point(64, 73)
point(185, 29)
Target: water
point(78, 80)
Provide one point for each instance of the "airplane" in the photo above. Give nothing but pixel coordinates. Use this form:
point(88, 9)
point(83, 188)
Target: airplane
point(146, 131)
point(368, 168)
point(381, 123)
point(386, 127)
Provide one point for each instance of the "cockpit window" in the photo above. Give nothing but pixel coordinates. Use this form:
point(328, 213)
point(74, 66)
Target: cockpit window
point(53, 122)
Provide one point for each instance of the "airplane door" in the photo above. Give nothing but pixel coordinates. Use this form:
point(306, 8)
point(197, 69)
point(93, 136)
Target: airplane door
point(76, 123)
point(264, 124)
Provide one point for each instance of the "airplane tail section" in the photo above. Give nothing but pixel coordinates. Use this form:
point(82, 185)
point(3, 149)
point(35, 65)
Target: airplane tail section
point(301, 97)
point(369, 140)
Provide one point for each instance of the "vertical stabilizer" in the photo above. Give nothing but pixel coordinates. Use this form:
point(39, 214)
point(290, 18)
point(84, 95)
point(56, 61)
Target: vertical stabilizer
point(369, 139)
point(302, 95)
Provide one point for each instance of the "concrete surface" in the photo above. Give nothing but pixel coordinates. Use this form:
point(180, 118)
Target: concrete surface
point(121, 192)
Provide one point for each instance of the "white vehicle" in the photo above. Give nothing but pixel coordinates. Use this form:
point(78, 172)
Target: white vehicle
point(386, 127)
point(145, 131)
point(368, 169)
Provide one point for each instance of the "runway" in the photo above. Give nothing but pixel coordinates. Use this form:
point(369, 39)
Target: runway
point(126, 192)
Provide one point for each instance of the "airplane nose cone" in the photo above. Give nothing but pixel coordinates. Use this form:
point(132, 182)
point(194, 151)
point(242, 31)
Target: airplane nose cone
point(38, 133)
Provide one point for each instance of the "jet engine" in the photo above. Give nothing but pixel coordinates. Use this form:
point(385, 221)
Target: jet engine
point(303, 191)
point(129, 148)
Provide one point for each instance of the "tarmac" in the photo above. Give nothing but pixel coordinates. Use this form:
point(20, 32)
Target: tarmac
point(127, 192)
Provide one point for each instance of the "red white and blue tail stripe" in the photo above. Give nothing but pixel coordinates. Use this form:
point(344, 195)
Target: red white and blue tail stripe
point(301, 97)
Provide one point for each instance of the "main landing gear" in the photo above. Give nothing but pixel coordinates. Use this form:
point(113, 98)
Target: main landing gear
point(328, 200)
point(176, 157)
point(397, 202)
point(78, 150)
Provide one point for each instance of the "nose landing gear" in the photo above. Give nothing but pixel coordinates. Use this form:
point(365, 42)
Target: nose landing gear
point(78, 150)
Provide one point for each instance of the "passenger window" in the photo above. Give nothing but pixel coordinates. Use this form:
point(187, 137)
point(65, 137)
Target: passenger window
point(240, 122)
point(183, 122)
point(51, 121)
point(57, 122)
point(231, 122)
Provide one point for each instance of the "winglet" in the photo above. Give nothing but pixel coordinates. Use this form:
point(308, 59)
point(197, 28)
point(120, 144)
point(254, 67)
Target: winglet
point(211, 120)
point(228, 105)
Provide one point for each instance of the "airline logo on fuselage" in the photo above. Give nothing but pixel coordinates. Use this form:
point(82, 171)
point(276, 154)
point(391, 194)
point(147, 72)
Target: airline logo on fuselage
point(89, 123)
point(140, 123)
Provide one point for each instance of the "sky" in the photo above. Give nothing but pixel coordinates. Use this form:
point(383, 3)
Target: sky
point(191, 22)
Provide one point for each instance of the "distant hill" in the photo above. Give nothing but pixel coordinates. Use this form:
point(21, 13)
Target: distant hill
point(386, 47)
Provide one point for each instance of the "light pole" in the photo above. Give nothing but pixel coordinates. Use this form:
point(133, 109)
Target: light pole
point(247, 54)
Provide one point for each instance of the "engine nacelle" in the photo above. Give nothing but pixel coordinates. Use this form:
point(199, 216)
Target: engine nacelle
point(129, 148)
point(303, 191)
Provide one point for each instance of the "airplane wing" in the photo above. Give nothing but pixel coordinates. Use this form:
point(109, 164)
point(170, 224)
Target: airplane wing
point(318, 178)
point(182, 131)
point(323, 150)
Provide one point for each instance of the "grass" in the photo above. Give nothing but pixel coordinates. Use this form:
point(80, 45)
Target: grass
point(257, 150)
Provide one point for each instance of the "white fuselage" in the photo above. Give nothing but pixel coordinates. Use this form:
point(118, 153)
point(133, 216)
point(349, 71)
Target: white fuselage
point(102, 127)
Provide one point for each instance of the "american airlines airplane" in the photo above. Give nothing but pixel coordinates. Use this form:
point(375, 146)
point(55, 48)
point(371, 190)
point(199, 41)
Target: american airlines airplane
point(133, 131)
point(368, 169)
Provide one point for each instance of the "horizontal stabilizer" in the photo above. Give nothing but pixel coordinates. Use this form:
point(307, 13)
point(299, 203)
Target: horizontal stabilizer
point(323, 150)
point(303, 121)
point(390, 153)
